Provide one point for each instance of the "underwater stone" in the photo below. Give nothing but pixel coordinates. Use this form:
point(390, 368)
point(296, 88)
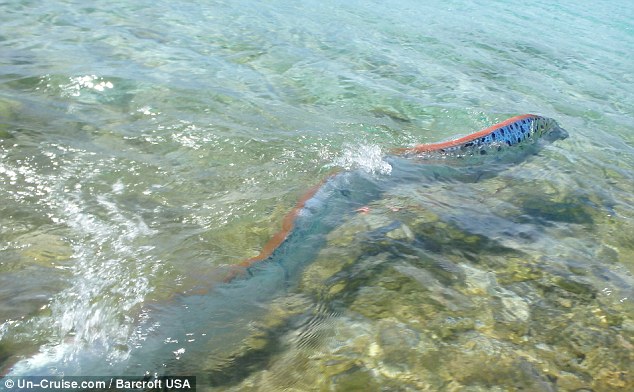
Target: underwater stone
point(568, 210)
point(478, 282)
point(396, 334)
point(401, 233)
point(511, 314)
point(565, 302)
point(395, 115)
point(5, 353)
point(450, 327)
point(424, 217)
point(571, 382)
point(476, 368)
point(576, 285)
point(336, 289)
point(515, 308)
point(283, 308)
point(347, 233)
point(374, 302)
point(329, 262)
point(628, 325)
point(422, 280)
point(519, 270)
point(45, 249)
point(617, 380)
point(355, 379)
point(376, 221)
point(607, 254)
point(8, 111)
point(256, 342)
point(251, 356)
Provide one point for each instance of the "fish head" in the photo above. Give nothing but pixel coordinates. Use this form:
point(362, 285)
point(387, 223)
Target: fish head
point(549, 130)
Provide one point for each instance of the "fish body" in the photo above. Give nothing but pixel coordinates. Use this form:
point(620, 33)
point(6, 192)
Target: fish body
point(516, 131)
point(220, 319)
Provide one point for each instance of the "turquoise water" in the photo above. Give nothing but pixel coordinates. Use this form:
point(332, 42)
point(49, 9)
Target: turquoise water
point(147, 147)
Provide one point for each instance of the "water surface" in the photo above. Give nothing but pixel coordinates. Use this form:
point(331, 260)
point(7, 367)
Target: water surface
point(146, 147)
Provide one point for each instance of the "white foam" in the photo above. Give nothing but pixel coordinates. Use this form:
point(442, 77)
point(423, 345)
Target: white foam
point(111, 266)
point(367, 157)
point(91, 82)
point(106, 285)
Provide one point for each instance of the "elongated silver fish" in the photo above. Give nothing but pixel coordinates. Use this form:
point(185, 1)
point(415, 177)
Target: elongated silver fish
point(519, 132)
point(525, 129)
point(220, 318)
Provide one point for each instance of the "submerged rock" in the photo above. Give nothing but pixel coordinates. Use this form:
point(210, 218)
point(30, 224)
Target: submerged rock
point(402, 232)
point(45, 249)
point(576, 285)
point(8, 112)
point(405, 302)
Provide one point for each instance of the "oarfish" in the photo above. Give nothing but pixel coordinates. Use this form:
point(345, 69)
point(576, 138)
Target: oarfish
point(524, 133)
point(527, 129)
point(219, 319)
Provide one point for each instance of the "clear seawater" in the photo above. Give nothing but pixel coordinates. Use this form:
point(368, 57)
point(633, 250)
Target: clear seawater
point(146, 147)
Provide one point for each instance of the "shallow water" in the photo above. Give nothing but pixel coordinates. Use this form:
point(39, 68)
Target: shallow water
point(147, 147)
